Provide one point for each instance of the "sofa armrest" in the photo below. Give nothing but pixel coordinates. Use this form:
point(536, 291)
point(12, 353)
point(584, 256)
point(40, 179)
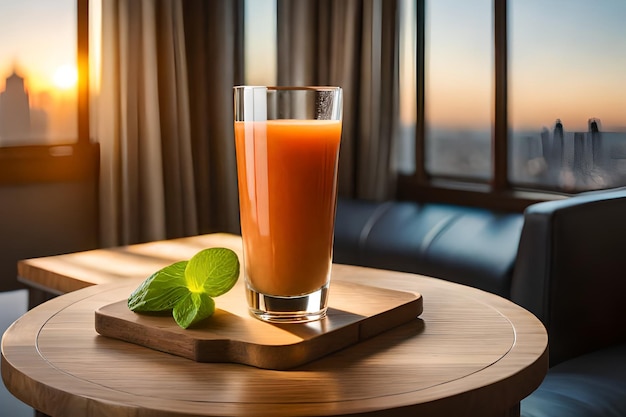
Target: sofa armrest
point(570, 271)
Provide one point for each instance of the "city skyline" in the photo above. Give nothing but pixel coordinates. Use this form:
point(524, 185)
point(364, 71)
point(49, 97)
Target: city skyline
point(47, 119)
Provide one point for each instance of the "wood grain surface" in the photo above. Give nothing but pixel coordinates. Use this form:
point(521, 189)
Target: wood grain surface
point(470, 353)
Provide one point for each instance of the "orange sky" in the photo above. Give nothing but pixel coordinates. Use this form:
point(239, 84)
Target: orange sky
point(38, 37)
point(565, 63)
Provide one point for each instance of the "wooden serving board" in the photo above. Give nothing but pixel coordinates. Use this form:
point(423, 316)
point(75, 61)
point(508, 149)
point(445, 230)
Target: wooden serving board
point(356, 312)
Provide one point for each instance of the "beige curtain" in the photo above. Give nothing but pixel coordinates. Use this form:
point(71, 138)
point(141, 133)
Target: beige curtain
point(165, 138)
point(352, 44)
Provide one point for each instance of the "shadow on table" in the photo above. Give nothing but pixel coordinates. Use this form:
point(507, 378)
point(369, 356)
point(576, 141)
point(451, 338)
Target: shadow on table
point(367, 348)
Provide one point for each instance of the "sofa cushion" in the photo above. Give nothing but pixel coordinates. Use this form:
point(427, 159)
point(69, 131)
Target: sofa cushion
point(587, 386)
point(471, 246)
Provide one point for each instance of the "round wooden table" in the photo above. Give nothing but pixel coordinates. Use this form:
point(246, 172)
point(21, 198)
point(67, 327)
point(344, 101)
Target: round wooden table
point(470, 353)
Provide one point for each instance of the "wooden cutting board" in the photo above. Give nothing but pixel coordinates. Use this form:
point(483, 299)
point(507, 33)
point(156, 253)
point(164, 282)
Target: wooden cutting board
point(356, 312)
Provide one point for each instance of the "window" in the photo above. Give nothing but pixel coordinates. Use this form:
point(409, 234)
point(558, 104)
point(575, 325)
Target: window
point(38, 75)
point(537, 94)
point(567, 94)
point(44, 98)
point(458, 88)
point(260, 42)
point(405, 147)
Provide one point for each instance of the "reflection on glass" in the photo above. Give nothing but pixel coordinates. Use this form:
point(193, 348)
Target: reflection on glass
point(458, 87)
point(38, 75)
point(567, 94)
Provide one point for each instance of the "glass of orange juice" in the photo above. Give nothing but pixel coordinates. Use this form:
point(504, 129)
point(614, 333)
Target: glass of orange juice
point(287, 144)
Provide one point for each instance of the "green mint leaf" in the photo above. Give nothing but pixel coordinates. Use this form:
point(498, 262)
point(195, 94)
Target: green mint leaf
point(192, 308)
point(161, 291)
point(186, 288)
point(214, 271)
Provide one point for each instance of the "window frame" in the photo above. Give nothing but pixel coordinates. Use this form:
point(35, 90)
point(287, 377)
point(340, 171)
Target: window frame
point(74, 161)
point(498, 193)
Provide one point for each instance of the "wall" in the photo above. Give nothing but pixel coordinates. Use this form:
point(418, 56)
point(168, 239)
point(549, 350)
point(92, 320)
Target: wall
point(42, 219)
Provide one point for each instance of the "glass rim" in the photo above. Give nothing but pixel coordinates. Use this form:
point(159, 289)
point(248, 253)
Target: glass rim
point(289, 88)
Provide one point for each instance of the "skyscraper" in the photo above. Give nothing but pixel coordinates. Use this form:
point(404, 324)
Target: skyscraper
point(558, 155)
point(14, 111)
point(596, 141)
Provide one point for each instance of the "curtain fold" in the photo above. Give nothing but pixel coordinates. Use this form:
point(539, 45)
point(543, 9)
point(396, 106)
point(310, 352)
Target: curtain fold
point(215, 64)
point(164, 119)
point(352, 44)
point(179, 179)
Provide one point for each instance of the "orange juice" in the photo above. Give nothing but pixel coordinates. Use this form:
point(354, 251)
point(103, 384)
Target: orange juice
point(287, 173)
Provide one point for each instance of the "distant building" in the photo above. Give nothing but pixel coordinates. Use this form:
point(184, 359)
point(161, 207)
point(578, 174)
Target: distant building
point(14, 111)
point(596, 141)
point(558, 155)
point(558, 128)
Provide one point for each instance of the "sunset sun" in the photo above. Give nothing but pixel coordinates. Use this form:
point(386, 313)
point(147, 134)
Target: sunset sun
point(65, 77)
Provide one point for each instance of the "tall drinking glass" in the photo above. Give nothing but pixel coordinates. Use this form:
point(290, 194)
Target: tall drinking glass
point(287, 144)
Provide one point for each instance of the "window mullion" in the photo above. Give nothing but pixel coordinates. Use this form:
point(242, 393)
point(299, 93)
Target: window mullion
point(499, 141)
point(82, 60)
point(421, 175)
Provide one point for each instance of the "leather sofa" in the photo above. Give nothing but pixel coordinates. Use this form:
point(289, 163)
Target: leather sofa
point(565, 261)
